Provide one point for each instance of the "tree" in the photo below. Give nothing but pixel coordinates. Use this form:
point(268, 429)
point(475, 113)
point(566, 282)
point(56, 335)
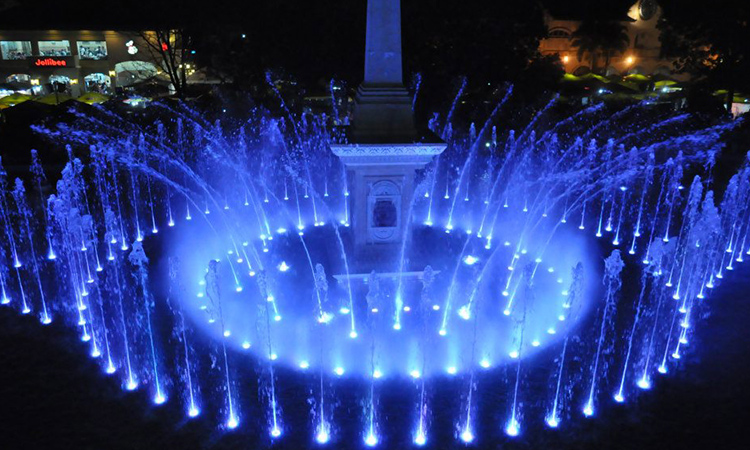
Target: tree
point(710, 41)
point(169, 50)
point(608, 37)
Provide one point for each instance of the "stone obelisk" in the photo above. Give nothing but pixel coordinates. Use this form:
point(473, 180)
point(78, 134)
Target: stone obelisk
point(385, 149)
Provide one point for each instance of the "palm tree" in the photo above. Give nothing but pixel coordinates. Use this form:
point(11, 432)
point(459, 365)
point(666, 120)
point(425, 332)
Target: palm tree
point(608, 37)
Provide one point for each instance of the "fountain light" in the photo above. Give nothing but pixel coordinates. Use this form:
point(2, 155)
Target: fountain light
point(485, 363)
point(304, 365)
point(552, 421)
point(232, 422)
point(322, 437)
point(159, 399)
point(470, 260)
point(644, 383)
point(377, 374)
point(275, 431)
point(283, 267)
point(353, 334)
point(371, 440)
point(513, 428)
point(339, 371)
point(415, 374)
point(420, 438)
point(451, 370)
point(194, 412)
point(467, 436)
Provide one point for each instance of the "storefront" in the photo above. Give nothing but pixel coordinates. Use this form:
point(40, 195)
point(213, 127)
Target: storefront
point(73, 62)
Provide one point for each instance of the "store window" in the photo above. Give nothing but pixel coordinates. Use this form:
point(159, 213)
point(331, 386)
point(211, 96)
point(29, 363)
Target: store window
point(94, 50)
point(54, 48)
point(15, 49)
point(98, 82)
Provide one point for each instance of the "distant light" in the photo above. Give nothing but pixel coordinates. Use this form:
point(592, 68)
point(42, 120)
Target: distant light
point(227, 333)
point(629, 60)
point(485, 363)
point(246, 345)
point(513, 354)
point(304, 364)
point(451, 370)
point(339, 371)
point(274, 356)
point(414, 374)
point(377, 373)
point(344, 310)
point(435, 307)
point(283, 267)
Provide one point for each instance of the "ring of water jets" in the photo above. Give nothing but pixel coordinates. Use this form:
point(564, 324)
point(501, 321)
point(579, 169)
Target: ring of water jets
point(516, 241)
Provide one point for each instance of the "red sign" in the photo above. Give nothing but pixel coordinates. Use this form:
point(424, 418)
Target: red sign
point(50, 61)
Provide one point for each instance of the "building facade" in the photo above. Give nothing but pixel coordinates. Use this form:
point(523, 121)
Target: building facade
point(73, 61)
point(643, 55)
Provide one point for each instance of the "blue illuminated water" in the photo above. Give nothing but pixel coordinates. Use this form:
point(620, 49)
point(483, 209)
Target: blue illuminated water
point(596, 238)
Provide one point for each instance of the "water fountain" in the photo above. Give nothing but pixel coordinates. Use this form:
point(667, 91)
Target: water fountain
point(452, 258)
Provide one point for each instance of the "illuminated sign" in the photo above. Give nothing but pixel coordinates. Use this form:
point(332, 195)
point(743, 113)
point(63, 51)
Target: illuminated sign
point(51, 61)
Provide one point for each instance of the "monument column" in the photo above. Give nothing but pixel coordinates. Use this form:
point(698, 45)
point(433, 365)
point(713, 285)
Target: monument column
point(385, 149)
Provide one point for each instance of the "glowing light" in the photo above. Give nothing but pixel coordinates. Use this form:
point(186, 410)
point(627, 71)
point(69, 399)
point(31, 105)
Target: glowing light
point(619, 398)
point(322, 436)
point(377, 373)
point(274, 356)
point(277, 318)
point(513, 428)
point(485, 363)
point(275, 432)
point(662, 369)
point(304, 365)
point(353, 334)
point(513, 354)
point(420, 439)
point(159, 399)
point(644, 383)
point(467, 436)
point(415, 374)
point(132, 385)
point(442, 332)
point(451, 370)
point(535, 343)
point(396, 326)
point(194, 412)
point(588, 411)
point(436, 307)
point(470, 260)
point(371, 440)
point(344, 310)
point(339, 371)
point(227, 333)
point(232, 422)
point(553, 422)
point(283, 267)
point(246, 345)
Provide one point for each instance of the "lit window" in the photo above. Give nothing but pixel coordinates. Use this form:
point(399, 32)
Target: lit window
point(93, 50)
point(54, 48)
point(15, 49)
point(559, 33)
